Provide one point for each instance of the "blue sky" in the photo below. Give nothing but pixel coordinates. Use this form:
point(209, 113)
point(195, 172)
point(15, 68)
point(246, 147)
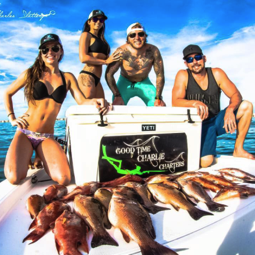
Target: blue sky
point(224, 29)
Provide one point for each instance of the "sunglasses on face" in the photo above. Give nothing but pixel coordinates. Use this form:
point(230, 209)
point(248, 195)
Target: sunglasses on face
point(95, 19)
point(55, 48)
point(140, 34)
point(197, 58)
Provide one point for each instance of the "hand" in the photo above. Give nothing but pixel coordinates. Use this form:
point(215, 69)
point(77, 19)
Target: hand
point(229, 121)
point(116, 56)
point(159, 102)
point(202, 110)
point(118, 101)
point(21, 122)
point(102, 105)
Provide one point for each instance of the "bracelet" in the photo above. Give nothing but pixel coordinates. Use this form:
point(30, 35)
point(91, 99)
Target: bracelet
point(117, 95)
point(158, 97)
point(10, 114)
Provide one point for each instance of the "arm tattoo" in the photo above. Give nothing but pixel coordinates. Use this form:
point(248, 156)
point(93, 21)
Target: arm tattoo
point(159, 70)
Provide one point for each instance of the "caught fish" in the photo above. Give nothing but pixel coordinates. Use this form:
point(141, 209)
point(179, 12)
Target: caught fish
point(239, 173)
point(145, 195)
point(162, 178)
point(196, 191)
point(54, 192)
point(93, 213)
point(135, 224)
point(190, 174)
point(231, 192)
point(104, 197)
point(218, 180)
point(122, 180)
point(232, 178)
point(174, 197)
point(44, 219)
point(70, 232)
point(35, 204)
point(207, 184)
point(88, 189)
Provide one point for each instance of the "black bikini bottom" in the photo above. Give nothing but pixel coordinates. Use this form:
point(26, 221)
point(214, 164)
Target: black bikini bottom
point(97, 80)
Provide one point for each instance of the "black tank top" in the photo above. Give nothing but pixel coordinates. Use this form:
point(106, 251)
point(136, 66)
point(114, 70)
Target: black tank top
point(210, 96)
point(58, 95)
point(99, 46)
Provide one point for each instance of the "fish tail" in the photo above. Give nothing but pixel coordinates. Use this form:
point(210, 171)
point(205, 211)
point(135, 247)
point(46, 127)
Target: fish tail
point(216, 207)
point(154, 248)
point(155, 209)
point(33, 236)
point(196, 214)
point(102, 237)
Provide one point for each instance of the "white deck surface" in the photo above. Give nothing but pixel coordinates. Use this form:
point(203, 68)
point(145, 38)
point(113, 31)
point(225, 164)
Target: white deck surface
point(225, 233)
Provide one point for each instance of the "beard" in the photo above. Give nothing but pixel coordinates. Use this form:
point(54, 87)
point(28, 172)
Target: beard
point(139, 46)
point(196, 69)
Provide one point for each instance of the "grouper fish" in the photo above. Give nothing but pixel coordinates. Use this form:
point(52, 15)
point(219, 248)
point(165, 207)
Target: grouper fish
point(196, 191)
point(45, 219)
point(70, 232)
point(135, 224)
point(94, 214)
point(239, 173)
point(34, 205)
point(54, 192)
point(145, 196)
point(169, 195)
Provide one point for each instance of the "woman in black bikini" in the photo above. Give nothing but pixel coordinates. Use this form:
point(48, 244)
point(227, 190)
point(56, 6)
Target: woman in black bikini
point(45, 90)
point(94, 52)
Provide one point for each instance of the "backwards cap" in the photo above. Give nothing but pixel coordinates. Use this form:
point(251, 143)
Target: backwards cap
point(130, 29)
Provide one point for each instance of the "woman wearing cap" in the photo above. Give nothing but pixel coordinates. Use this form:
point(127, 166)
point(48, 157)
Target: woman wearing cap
point(94, 52)
point(45, 88)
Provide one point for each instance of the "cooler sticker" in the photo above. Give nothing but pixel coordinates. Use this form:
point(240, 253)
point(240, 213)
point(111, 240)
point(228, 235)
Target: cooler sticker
point(142, 155)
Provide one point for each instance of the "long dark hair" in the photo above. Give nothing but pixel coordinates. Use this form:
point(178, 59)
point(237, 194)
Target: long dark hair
point(86, 28)
point(34, 73)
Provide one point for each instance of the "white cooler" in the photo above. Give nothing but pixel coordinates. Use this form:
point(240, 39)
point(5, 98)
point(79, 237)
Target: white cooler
point(131, 140)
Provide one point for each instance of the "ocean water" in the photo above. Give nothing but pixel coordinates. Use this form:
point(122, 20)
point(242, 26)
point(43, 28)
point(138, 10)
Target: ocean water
point(225, 143)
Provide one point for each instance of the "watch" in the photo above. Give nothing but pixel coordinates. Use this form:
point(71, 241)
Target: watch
point(158, 97)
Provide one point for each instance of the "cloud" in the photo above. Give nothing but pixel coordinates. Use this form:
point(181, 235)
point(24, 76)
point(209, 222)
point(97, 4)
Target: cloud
point(19, 42)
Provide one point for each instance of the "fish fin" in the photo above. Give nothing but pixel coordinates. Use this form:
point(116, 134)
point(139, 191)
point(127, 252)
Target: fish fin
point(102, 237)
point(125, 236)
point(177, 208)
point(33, 236)
point(155, 209)
point(31, 215)
point(196, 214)
point(106, 221)
point(216, 207)
point(57, 246)
point(33, 224)
point(154, 248)
point(84, 244)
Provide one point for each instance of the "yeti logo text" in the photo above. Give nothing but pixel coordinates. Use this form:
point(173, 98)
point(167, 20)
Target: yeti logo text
point(151, 127)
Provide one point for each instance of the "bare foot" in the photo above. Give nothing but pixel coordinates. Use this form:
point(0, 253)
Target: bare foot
point(243, 154)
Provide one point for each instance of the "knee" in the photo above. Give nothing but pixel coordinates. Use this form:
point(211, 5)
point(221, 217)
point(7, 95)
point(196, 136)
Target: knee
point(63, 179)
point(206, 161)
point(246, 106)
point(12, 178)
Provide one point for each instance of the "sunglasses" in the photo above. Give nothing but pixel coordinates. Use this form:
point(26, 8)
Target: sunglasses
point(140, 34)
point(55, 48)
point(95, 19)
point(197, 58)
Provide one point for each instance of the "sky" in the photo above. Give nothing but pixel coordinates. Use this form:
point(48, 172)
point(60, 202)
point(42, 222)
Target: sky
point(225, 30)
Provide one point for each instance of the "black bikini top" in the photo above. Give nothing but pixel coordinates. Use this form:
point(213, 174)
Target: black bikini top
point(99, 46)
point(58, 95)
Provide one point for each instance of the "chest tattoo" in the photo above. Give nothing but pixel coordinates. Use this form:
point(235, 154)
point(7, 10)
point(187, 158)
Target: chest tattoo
point(139, 62)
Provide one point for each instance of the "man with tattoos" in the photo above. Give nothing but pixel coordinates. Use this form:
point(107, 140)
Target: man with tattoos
point(136, 62)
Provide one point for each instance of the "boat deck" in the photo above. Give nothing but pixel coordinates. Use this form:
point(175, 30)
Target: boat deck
point(229, 232)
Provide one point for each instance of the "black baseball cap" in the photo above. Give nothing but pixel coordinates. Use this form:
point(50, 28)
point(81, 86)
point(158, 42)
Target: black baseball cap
point(50, 38)
point(95, 13)
point(191, 49)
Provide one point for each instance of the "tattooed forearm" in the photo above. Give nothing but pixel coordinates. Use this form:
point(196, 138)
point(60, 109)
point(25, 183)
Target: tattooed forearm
point(110, 71)
point(159, 70)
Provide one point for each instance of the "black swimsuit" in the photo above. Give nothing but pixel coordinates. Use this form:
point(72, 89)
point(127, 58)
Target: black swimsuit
point(58, 95)
point(98, 46)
